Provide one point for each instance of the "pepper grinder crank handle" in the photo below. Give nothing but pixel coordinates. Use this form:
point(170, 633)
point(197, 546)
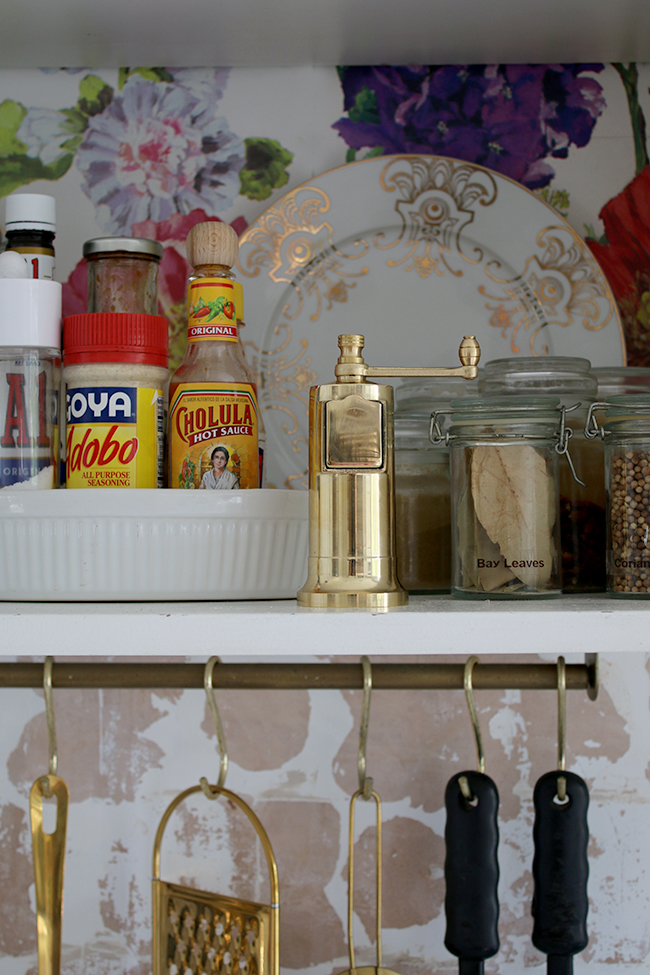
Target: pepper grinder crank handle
point(351, 481)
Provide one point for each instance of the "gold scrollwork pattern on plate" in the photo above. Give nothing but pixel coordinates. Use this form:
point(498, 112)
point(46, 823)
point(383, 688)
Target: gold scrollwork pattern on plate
point(295, 244)
point(283, 383)
point(436, 201)
point(558, 286)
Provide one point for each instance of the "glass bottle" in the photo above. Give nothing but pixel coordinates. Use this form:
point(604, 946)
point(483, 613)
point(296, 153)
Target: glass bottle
point(30, 226)
point(123, 275)
point(505, 500)
point(626, 433)
point(582, 506)
point(422, 485)
point(213, 412)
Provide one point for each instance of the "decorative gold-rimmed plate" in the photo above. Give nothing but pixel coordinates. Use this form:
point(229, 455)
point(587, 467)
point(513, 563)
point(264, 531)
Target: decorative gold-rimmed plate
point(413, 252)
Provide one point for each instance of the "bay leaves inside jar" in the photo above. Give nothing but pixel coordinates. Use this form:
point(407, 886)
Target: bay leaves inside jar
point(513, 500)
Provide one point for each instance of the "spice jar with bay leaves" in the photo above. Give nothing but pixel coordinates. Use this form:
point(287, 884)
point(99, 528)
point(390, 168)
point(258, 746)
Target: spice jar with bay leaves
point(505, 499)
point(581, 482)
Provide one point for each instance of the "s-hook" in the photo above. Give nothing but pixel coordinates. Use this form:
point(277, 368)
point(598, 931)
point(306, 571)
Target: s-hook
point(210, 791)
point(471, 866)
point(49, 848)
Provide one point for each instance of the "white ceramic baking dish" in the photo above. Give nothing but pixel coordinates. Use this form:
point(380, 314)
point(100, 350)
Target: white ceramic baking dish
point(152, 545)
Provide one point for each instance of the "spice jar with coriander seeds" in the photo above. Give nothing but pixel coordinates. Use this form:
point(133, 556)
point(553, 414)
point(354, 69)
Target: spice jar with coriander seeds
point(505, 500)
point(625, 429)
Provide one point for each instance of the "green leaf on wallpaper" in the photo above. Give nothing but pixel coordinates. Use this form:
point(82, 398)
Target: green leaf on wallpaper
point(94, 95)
point(149, 74)
point(264, 169)
point(11, 115)
point(558, 199)
point(351, 155)
point(18, 170)
point(74, 121)
point(365, 108)
point(377, 151)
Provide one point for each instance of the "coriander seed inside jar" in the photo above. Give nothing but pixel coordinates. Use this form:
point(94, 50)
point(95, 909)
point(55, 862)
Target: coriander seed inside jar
point(625, 430)
point(505, 498)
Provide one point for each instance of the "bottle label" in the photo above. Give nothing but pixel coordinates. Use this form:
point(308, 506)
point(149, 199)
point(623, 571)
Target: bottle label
point(213, 436)
point(39, 259)
point(211, 311)
point(29, 421)
point(114, 437)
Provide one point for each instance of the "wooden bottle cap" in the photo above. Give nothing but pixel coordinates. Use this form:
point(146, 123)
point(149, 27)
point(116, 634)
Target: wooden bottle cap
point(212, 242)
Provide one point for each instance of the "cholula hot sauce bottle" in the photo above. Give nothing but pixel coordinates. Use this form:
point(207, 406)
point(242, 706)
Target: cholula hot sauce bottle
point(213, 412)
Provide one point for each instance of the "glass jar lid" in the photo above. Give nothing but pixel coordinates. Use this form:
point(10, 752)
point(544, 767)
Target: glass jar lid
point(110, 246)
point(561, 375)
point(617, 380)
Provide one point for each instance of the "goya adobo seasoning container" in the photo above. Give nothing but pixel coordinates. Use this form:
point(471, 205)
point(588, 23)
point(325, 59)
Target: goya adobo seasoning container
point(115, 368)
point(30, 376)
point(626, 432)
point(505, 499)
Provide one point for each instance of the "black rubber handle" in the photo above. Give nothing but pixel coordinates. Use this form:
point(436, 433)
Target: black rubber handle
point(472, 871)
point(560, 870)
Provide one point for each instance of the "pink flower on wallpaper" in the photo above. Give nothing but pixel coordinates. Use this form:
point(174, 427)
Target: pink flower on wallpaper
point(158, 149)
point(173, 273)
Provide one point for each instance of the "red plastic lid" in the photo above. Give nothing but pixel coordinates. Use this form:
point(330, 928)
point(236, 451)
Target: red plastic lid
point(115, 337)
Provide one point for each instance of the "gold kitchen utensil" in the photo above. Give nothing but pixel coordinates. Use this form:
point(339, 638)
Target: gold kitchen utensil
point(204, 932)
point(351, 489)
point(365, 791)
point(49, 848)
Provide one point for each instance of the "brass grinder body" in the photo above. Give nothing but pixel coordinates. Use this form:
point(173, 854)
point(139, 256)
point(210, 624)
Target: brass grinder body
point(352, 562)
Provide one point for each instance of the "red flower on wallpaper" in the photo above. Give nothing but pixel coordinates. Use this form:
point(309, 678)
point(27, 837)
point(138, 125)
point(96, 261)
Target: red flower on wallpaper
point(624, 255)
point(172, 275)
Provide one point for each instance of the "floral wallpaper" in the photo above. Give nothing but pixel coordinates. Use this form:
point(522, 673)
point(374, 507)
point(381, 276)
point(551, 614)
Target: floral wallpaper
point(150, 151)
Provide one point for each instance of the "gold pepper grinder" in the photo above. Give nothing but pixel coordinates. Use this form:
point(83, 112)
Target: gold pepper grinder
point(351, 482)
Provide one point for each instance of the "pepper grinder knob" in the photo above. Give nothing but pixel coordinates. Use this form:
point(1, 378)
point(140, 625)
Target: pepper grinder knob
point(469, 351)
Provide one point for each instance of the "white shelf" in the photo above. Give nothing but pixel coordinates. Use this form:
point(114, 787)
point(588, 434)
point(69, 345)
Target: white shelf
point(428, 625)
point(248, 33)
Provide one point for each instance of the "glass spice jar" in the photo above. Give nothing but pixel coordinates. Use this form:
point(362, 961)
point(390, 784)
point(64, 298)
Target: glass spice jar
point(423, 485)
point(617, 380)
point(505, 500)
point(625, 430)
point(582, 505)
point(123, 275)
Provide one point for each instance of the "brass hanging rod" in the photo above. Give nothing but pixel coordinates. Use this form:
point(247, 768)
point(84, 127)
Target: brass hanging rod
point(274, 676)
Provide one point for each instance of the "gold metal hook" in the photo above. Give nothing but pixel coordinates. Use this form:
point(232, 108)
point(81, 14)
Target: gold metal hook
point(213, 791)
point(51, 729)
point(561, 727)
point(357, 795)
point(469, 694)
point(365, 783)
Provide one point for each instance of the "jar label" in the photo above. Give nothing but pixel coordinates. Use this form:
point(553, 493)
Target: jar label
point(114, 437)
point(29, 431)
point(213, 436)
point(211, 311)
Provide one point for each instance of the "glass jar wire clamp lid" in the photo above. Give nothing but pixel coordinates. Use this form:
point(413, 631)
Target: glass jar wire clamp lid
point(505, 499)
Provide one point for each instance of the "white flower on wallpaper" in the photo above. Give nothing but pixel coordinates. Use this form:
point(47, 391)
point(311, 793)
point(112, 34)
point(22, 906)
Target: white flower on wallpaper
point(44, 130)
point(159, 149)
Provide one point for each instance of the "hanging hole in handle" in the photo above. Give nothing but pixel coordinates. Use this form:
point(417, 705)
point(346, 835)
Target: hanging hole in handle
point(562, 803)
point(50, 807)
point(467, 799)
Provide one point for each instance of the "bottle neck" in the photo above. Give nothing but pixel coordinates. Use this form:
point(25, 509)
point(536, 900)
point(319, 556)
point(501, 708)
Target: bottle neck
point(213, 271)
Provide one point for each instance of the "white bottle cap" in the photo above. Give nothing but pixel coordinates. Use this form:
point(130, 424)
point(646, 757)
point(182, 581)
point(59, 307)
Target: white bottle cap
point(30, 313)
point(30, 211)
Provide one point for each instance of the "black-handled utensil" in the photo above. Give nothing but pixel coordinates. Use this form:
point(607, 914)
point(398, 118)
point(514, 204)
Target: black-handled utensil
point(471, 870)
point(560, 865)
point(471, 865)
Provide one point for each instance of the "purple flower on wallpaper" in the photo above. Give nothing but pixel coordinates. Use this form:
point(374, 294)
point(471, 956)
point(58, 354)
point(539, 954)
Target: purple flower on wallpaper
point(507, 117)
point(158, 149)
